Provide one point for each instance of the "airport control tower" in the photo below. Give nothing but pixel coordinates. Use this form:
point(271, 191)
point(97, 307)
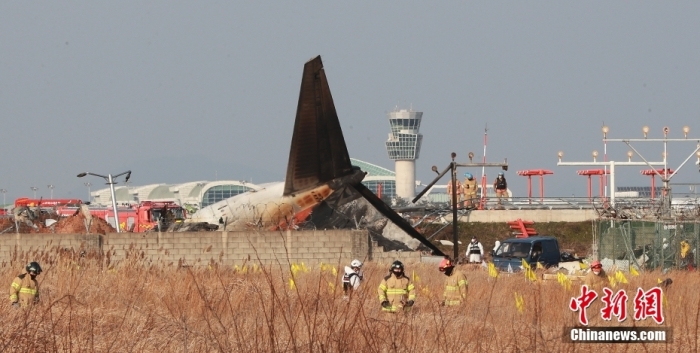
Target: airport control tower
point(403, 147)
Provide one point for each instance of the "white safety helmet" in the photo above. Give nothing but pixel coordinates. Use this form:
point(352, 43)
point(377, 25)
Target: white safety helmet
point(356, 263)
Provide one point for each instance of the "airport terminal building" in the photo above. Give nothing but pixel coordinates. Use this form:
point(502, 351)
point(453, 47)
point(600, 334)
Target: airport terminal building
point(197, 194)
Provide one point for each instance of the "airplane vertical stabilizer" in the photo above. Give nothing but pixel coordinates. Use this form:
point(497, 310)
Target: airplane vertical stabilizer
point(318, 153)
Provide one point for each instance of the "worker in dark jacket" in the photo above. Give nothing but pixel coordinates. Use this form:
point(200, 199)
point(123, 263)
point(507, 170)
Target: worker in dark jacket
point(24, 290)
point(501, 187)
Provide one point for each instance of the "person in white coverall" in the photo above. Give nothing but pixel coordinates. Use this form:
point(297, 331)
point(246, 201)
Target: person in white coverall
point(475, 252)
point(352, 277)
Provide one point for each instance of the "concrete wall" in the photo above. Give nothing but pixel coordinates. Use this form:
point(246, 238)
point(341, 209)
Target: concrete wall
point(202, 248)
point(530, 215)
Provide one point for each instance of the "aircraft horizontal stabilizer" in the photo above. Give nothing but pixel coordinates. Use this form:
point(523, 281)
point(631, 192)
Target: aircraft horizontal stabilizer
point(394, 217)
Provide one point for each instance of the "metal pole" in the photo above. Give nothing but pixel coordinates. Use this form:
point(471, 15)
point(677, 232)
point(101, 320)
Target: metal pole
point(604, 179)
point(454, 210)
point(612, 183)
point(88, 184)
point(114, 203)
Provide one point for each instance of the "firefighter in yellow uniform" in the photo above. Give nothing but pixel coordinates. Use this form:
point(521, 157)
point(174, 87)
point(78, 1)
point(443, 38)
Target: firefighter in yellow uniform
point(24, 290)
point(396, 292)
point(458, 191)
point(469, 187)
point(597, 278)
point(455, 284)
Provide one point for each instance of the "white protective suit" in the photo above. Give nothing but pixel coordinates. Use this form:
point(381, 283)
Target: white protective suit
point(351, 279)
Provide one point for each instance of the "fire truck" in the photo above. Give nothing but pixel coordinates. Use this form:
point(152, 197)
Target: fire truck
point(46, 203)
point(143, 217)
point(44, 206)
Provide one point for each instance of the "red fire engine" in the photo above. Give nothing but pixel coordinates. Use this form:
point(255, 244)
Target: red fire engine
point(144, 217)
point(46, 203)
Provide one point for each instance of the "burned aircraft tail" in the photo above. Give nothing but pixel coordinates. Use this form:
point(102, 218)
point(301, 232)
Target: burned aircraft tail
point(318, 154)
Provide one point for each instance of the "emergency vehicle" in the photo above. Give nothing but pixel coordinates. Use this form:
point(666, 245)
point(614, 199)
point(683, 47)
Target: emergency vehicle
point(143, 217)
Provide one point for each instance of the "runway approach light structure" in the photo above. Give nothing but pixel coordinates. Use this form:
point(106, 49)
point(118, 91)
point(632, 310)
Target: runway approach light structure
point(403, 147)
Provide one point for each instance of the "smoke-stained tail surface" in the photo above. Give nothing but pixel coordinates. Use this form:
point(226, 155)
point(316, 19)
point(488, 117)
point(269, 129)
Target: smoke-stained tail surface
point(319, 170)
point(318, 153)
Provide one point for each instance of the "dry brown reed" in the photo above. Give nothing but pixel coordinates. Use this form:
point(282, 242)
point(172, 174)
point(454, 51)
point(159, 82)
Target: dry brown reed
point(136, 307)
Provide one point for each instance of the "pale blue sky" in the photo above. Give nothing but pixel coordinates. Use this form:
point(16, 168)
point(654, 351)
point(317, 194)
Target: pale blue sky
point(182, 91)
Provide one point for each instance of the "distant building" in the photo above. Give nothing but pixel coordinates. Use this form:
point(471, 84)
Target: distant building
point(198, 194)
point(195, 195)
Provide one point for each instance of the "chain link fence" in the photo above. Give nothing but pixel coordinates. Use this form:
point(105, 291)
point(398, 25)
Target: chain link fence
point(647, 245)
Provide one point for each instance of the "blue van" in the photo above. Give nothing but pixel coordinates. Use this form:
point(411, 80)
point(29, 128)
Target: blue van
point(542, 249)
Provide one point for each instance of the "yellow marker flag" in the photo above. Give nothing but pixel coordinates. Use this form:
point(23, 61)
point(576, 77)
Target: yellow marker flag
point(658, 281)
point(334, 271)
point(613, 281)
point(331, 287)
point(620, 277)
point(526, 265)
point(492, 270)
point(539, 266)
point(415, 277)
point(519, 302)
point(530, 275)
point(564, 281)
point(292, 285)
point(633, 271)
point(582, 266)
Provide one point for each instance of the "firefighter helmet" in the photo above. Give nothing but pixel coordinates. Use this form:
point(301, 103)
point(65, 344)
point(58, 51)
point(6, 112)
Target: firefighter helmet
point(34, 267)
point(500, 173)
point(595, 264)
point(397, 265)
point(356, 263)
point(468, 176)
point(445, 264)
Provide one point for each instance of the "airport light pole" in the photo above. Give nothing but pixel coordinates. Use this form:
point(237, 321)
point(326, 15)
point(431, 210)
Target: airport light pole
point(4, 192)
point(110, 181)
point(605, 129)
point(608, 164)
point(50, 186)
point(453, 169)
point(665, 177)
point(612, 164)
point(33, 188)
point(88, 184)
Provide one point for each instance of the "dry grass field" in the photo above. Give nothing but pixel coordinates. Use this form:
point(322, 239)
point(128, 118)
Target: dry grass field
point(87, 306)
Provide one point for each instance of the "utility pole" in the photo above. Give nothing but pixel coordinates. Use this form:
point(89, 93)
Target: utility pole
point(453, 169)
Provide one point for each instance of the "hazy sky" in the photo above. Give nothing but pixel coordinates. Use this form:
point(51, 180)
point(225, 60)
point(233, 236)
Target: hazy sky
point(184, 91)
